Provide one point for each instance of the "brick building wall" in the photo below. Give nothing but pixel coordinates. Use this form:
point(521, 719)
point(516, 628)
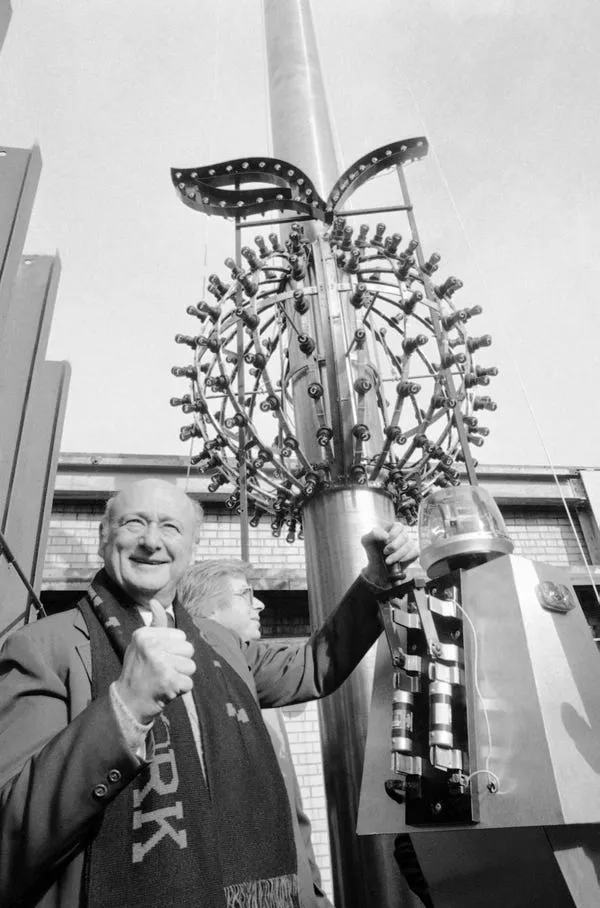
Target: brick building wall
point(71, 554)
point(540, 532)
point(546, 534)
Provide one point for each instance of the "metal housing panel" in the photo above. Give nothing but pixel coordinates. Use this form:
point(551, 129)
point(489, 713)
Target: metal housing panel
point(493, 868)
point(28, 513)
point(19, 174)
point(507, 680)
point(577, 853)
point(22, 349)
point(5, 14)
point(538, 676)
point(562, 662)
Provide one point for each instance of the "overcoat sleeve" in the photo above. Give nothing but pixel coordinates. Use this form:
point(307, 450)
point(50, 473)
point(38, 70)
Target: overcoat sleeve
point(287, 674)
point(58, 771)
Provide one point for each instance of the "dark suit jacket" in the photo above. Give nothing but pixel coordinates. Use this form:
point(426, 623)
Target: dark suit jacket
point(59, 750)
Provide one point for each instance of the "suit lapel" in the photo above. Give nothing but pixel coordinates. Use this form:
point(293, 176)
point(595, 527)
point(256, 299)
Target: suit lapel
point(82, 645)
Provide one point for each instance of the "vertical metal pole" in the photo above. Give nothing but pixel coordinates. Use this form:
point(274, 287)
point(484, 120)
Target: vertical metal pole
point(365, 875)
point(300, 123)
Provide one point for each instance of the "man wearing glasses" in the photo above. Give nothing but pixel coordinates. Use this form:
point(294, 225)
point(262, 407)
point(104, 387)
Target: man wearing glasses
point(219, 591)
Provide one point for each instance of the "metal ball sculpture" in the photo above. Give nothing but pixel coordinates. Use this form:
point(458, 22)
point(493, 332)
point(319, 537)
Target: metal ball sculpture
point(327, 362)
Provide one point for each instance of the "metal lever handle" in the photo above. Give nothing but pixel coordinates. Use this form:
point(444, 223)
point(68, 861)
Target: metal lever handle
point(396, 574)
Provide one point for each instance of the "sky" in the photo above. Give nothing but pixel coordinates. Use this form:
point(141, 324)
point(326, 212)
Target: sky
point(506, 91)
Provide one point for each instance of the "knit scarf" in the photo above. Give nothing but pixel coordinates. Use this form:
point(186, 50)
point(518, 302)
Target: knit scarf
point(169, 838)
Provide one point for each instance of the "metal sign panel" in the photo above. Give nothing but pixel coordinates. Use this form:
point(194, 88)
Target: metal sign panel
point(19, 174)
point(29, 511)
point(22, 349)
point(5, 14)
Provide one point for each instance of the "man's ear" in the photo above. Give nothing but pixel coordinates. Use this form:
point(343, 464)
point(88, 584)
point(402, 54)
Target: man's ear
point(101, 538)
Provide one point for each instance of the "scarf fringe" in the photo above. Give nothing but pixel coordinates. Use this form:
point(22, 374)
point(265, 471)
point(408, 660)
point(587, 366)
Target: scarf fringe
point(276, 892)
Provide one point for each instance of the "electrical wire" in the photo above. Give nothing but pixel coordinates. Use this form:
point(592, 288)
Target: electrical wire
point(494, 780)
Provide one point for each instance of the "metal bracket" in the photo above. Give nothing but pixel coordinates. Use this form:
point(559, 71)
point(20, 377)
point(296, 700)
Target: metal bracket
point(434, 646)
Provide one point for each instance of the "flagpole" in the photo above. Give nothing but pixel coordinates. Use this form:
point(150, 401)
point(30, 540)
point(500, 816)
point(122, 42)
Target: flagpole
point(365, 874)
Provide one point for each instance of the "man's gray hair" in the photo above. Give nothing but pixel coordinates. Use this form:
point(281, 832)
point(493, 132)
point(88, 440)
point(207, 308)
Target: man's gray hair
point(203, 588)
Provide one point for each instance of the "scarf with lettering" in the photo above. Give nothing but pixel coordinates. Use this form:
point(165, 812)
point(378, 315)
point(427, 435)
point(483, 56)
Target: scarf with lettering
point(169, 838)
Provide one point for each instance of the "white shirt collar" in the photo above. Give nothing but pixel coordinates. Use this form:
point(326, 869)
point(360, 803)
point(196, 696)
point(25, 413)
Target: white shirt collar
point(146, 614)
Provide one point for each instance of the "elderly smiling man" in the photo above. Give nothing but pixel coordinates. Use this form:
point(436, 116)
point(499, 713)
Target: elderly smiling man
point(134, 767)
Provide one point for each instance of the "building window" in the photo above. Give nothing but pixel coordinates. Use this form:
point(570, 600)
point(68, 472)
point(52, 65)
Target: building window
point(285, 613)
point(591, 609)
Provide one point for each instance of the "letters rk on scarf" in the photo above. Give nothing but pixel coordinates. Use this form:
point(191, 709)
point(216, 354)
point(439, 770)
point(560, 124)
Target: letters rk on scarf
point(168, 839)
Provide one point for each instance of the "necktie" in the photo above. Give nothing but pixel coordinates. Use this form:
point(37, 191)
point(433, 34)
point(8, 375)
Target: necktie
point(160, 616)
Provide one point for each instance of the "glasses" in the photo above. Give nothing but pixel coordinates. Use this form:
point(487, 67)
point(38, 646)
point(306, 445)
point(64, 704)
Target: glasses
point(247, 594)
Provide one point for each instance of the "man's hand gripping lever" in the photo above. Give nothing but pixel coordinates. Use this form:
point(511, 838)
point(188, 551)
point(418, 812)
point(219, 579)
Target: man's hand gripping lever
point(390, 550)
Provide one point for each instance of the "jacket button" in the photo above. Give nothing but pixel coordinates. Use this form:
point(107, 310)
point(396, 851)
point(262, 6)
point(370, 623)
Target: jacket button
point(114, 775)
point(100, 791)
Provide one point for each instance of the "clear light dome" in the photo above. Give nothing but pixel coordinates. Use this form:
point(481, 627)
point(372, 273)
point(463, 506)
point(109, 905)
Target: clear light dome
point(461, 520)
